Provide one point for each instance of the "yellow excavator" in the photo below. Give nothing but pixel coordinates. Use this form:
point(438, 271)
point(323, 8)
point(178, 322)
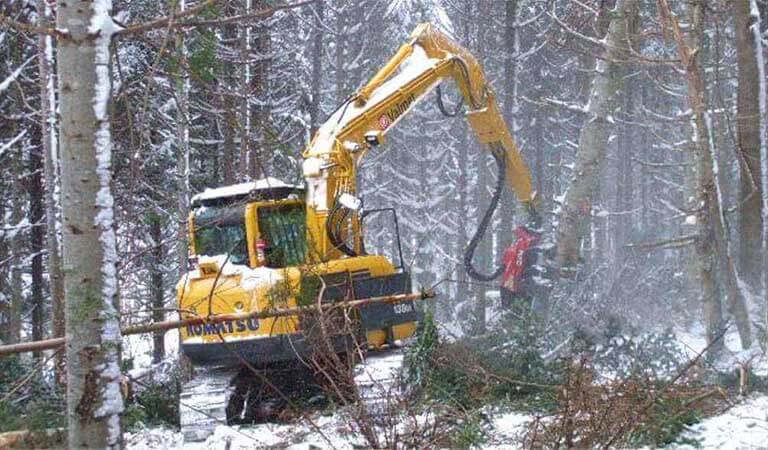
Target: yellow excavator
point(268, 244)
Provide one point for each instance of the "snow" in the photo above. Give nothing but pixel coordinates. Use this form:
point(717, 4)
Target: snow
point(111, 404)
point(153, 438)
point(693, 341)
point(15, 74)
point(745, 426)
point(250, 279)
point(12, 142)
point(375, 377)
point(241, 189)
point(508, 430)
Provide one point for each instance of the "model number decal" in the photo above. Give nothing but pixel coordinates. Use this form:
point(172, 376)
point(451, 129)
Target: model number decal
point(403, 308)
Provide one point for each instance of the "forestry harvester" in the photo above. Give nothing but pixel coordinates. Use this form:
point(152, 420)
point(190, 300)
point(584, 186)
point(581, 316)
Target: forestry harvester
point(268, 244)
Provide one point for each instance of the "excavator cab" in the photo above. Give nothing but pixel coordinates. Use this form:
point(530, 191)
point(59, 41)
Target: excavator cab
point(250, 251)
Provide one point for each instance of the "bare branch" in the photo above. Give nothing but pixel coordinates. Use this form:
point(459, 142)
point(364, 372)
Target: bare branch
point(172, 21)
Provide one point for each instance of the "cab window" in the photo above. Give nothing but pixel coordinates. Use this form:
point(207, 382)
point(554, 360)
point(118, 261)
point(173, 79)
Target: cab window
point(221, 231)
point(283, 230)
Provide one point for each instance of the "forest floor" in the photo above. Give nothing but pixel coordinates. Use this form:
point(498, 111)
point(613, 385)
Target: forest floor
point(743, 425)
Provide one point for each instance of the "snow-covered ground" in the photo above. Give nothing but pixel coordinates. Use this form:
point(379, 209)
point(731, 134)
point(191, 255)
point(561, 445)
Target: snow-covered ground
point(744, 426)
point(375, 377)
point(693, 341)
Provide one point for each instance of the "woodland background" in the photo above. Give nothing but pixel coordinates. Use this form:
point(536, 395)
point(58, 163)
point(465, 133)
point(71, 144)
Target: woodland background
point(237, 94)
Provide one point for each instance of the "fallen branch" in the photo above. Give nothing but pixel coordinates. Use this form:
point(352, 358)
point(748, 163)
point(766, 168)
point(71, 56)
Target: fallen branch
point(49, 344)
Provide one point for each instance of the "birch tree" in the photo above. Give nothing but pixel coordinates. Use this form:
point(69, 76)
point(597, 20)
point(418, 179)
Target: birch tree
point(94, 401)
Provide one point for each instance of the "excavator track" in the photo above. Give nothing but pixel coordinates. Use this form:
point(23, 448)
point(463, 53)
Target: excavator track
point(230, 396)
point(203, 401)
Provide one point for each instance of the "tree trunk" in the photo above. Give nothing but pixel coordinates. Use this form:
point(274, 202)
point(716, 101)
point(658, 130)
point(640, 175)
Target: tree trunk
point(511, 106)
point(462, 289)
point(593, 141)
point(341, 36)
point(182, 150)
point(94, 401)
point(748, 127)
point(260, 87)
point(247, 159)
point(156, 283)
point(712, 247)
point(17, 258)
point(512, 49)
point(624, 187)
point(229, 127)
point(50, 156)
point(228, 120)
point(317, 67)
point(36, 241)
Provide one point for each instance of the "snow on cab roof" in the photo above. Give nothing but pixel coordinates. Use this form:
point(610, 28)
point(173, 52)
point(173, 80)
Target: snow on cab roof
point(242, 189)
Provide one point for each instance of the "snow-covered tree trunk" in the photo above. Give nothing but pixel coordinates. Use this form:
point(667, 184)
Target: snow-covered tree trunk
point(156, 283)
point(749, 139)
point(247, 151)
point(763, 107)
point(593, 140)
point(36, 236)
point(94, 401)
point(712, 247)
point(317, 67)
point(511, 43)
point(182, 148)
point(342, 10)
point(50, 161)
point(259, 85)
point(17, 261)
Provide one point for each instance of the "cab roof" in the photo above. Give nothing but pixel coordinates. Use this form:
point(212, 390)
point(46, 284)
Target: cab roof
point(263, 189)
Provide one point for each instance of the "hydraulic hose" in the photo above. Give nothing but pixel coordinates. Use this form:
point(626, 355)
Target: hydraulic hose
point(441, 105)
point(498, 155)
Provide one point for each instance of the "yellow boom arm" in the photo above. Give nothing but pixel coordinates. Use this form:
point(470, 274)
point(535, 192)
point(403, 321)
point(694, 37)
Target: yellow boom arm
point(361, 122)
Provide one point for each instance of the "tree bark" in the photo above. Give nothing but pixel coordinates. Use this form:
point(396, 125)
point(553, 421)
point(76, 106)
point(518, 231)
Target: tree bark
point(748, 133)
point(341, 36)
point(36, 240)
point(511, 106)
point(247, 159)
point(593, 140)
point(50, 156)
point(17, 257)
point(94, 401)
point(512, 48)
point(260, 115)
point(317, 67)
point(182, 151)
point(156, 283)
point(712, 247)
